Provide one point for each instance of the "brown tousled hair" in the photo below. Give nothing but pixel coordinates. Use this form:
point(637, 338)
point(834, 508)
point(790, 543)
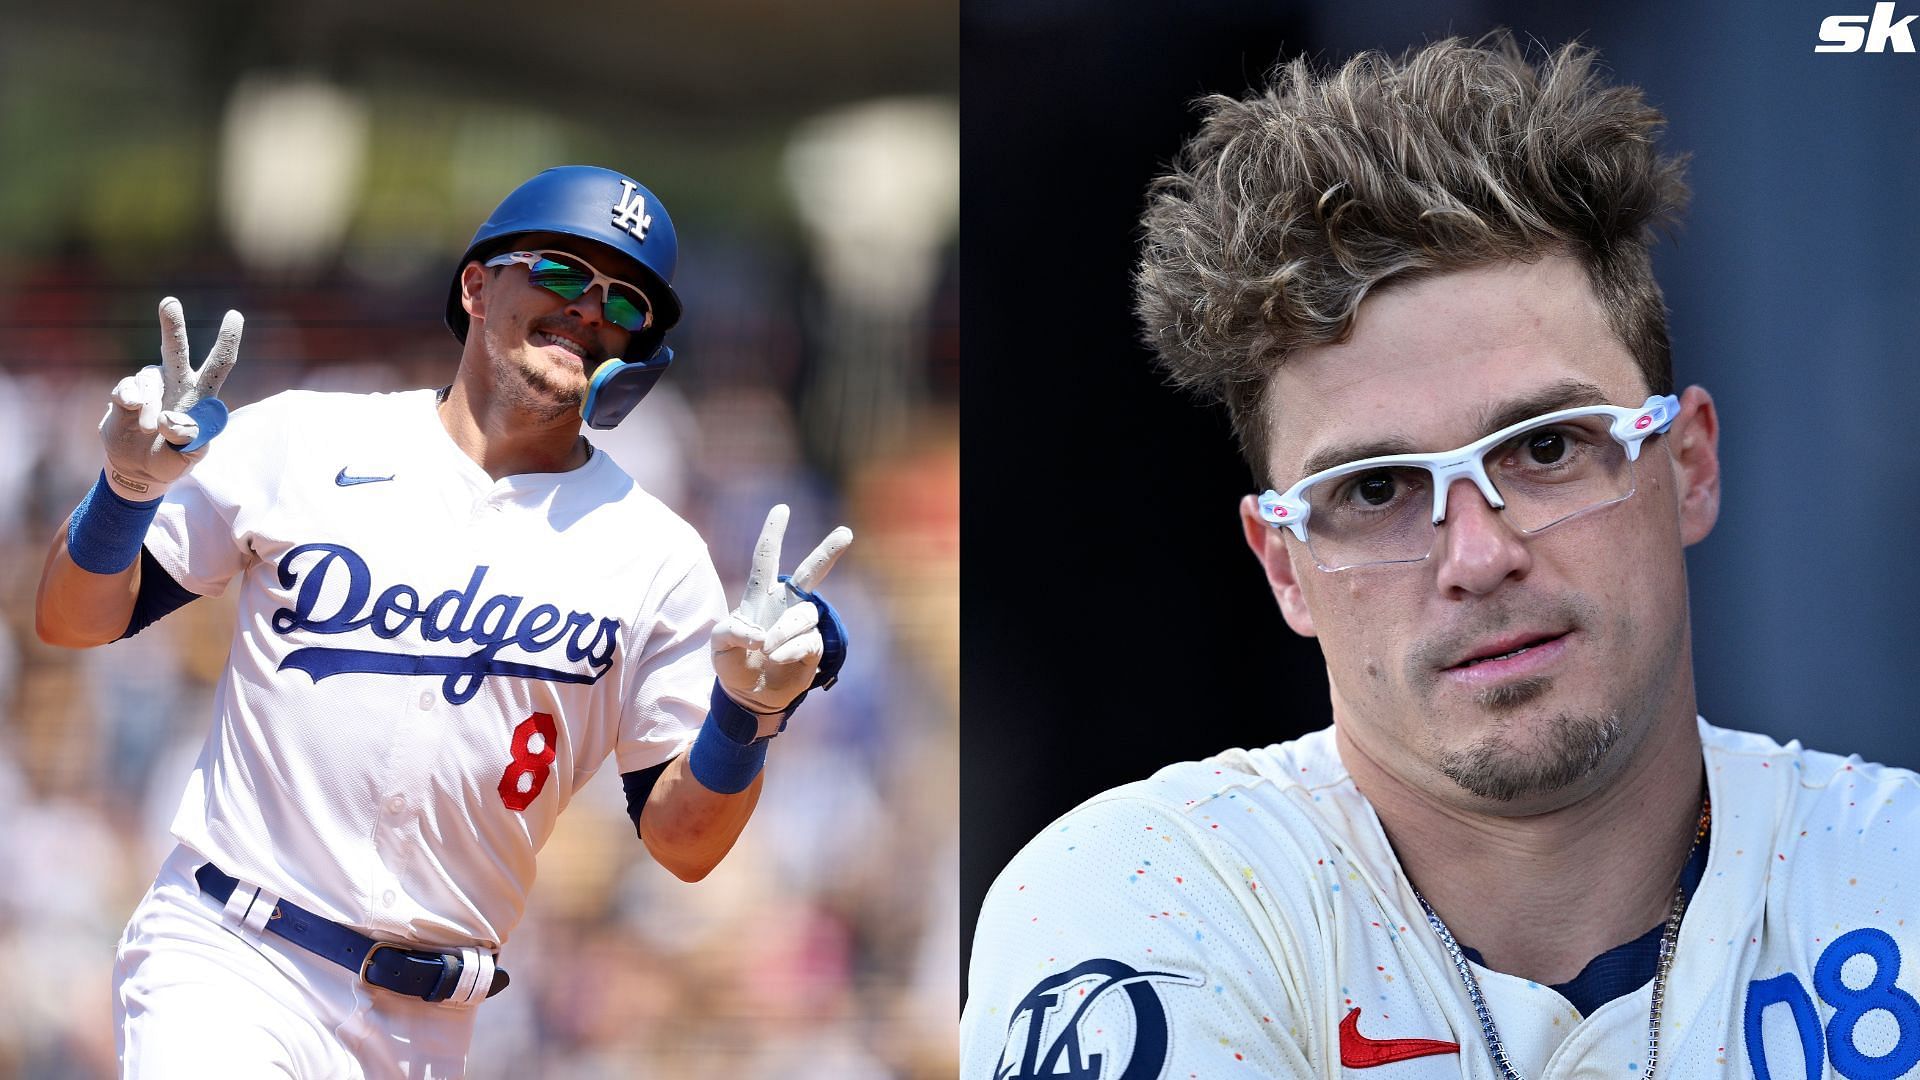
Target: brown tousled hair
point(1291, 205)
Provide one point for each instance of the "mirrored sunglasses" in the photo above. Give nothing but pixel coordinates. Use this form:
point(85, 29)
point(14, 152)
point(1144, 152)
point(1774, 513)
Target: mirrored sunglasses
point(570, 276)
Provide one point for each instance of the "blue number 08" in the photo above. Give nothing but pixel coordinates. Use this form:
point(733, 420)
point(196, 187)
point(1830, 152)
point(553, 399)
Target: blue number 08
point(1849, 1007)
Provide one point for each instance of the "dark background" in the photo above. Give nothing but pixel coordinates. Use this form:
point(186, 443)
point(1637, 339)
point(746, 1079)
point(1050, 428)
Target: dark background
point(1114, 621)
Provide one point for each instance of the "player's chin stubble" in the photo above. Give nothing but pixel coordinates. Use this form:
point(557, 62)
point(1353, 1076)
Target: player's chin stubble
point(549, 396)
point(537, 390)
point(1557, 752)
point(1520, 757)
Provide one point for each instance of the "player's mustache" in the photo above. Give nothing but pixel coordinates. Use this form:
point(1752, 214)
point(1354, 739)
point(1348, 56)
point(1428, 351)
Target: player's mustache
point(1444, 648)
point(579, 333)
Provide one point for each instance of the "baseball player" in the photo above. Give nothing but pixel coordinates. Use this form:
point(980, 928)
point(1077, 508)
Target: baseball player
point(1422, 287)
point(452, 609)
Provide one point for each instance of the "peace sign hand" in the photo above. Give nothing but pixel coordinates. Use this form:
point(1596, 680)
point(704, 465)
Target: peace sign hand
point(159, 420)
point(768, 650)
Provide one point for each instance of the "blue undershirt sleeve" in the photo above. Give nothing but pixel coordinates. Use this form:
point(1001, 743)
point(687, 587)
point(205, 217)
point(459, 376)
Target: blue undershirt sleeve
point(159, 595)
point(639, 785)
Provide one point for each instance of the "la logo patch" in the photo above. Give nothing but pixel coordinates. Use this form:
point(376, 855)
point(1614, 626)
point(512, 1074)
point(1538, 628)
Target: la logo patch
point(1072, 1026)
point(631, 213)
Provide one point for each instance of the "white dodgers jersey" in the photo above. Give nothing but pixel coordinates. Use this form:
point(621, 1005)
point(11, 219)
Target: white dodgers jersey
point(1245, 916)
point(428, 664)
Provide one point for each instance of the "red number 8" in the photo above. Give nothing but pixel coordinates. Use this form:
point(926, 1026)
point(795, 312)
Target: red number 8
point(522, 781)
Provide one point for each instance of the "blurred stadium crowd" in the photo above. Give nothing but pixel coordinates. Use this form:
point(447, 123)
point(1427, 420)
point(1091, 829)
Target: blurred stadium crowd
point(827, 943)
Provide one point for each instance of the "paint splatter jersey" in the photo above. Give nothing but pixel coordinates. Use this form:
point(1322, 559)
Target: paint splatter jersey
point(428, 663)
point(1244, 916)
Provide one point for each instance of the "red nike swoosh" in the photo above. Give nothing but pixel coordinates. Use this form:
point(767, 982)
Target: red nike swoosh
point(1359, 1052)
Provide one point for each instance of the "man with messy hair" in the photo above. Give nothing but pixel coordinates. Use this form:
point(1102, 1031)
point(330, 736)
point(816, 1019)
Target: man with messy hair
point(1422, 288)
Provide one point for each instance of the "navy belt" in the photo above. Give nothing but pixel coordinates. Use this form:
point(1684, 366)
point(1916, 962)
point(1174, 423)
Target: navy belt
point(429, 976)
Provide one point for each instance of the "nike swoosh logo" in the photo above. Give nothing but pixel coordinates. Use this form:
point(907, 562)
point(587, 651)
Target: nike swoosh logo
point(1359, 1052)
point(348, 481)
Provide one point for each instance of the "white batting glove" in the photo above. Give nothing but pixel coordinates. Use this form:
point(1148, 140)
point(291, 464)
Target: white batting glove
point(767, 651)
point(150, 436)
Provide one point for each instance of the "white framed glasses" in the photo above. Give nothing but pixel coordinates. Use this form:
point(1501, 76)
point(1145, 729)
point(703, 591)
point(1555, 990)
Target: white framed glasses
point(1538, 472)
point(569, 276)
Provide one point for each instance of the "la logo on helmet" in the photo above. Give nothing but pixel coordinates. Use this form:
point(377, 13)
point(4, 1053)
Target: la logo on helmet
point(631, 214)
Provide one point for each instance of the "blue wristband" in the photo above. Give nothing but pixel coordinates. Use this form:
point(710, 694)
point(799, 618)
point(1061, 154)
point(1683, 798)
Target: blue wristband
point(726, 756)
point(105, 532)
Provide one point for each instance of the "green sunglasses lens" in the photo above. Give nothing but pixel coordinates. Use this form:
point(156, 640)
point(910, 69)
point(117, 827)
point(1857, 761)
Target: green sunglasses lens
point(566, 282)
point(625, 309)
point(623, 306)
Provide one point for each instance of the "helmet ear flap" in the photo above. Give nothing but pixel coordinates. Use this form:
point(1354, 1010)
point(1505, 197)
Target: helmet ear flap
point(617, 386)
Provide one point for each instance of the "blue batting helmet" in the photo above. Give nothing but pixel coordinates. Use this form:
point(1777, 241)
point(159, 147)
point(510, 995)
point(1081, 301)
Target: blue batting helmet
point(614, 212)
